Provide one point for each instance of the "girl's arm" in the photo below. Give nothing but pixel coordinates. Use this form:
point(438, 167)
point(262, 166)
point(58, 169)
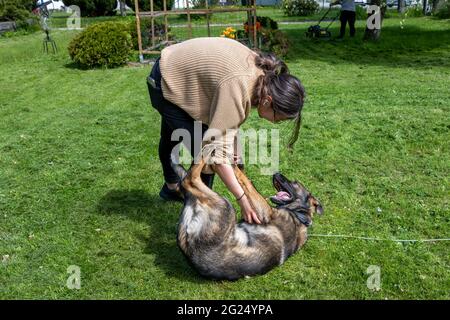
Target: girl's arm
point(226, 173)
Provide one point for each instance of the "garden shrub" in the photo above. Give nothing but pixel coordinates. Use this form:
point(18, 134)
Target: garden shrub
point(20, 12)
point(15, 10)
point(261, 22)
point(270, 38)
point(275, 41)
point(361, 13)
point(414, 11)
point(300, 7)
point(10, 11)
point(105, 44)
point(94, 8)
point(267, 22)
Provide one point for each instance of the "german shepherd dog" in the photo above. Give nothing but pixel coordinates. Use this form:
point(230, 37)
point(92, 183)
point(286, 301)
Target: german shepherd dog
point(220, 248)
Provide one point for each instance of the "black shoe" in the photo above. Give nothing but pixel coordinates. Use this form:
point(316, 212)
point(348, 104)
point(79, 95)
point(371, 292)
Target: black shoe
point(170, 195)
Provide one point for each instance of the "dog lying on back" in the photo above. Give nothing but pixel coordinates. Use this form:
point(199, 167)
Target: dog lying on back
point(220, 248)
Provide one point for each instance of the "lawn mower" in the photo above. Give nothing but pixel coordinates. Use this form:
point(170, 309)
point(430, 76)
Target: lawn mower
point(316, 31)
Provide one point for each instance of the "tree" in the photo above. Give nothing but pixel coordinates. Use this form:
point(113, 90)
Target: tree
point(401, 6)
point(16, 10)
point(123, 12)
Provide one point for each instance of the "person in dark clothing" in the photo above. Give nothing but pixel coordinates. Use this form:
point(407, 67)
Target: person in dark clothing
point(348, 14)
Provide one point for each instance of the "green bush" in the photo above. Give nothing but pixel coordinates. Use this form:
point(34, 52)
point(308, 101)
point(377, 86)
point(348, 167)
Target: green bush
point(267, 22)
point(361, 13)
point(105, 44)
point(94, 8)
point(20, 12)
point(16, 10)
point(275, 41)
point(443, 10)
point(299, 7)
point(264, 23)
point(414, 11)
point(12, 12)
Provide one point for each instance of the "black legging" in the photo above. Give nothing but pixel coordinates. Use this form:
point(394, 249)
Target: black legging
point(172, 118)
point(349, 16)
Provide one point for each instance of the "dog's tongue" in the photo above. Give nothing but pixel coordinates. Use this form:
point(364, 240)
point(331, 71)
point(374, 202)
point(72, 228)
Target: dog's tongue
point(282, 195)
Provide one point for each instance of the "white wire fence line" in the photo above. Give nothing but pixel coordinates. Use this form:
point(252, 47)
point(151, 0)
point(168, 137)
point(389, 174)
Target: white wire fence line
point(343, 236)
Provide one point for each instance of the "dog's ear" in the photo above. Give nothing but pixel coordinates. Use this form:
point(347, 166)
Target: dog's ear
point(318, 208)
point(305, 219)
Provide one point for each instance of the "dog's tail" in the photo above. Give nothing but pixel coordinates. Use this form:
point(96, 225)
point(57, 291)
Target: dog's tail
point(178, 168)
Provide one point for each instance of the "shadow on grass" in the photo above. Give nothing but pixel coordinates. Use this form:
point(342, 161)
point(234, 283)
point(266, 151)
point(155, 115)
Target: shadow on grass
point(77, 66)
point(409, 47)
point(162, 217)
point(74, 65)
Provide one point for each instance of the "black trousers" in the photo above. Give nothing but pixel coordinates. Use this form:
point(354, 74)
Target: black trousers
point(172, 118)
point(350, 17)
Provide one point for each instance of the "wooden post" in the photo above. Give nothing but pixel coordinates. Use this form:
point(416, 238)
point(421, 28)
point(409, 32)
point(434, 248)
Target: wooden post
point(153, 23)
point(255, 45)
point(138, 26)
point(207, 19)
point(165, 21)
point(189, 18)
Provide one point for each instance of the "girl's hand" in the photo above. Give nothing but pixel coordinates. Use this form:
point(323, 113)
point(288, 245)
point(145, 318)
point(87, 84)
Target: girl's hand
point(247, 211)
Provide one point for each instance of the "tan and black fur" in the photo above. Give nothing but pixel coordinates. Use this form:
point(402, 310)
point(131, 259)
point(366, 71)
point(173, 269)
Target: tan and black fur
point(220, 248)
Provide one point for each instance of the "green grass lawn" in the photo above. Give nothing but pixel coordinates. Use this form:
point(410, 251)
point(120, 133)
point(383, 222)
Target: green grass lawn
point(80, 175)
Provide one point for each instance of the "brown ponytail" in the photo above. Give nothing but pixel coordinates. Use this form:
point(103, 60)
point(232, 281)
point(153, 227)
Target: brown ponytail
point(286, 90)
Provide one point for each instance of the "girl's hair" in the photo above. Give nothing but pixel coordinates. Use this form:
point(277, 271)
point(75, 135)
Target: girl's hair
point(286, 90)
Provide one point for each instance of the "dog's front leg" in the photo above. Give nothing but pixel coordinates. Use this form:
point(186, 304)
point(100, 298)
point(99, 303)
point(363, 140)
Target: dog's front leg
point(194, 184)
point(257, 201)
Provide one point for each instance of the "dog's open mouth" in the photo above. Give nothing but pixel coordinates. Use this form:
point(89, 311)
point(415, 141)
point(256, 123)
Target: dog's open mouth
point(283, 195)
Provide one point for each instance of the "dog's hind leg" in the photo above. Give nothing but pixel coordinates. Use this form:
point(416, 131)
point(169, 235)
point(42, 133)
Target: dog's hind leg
point(262, 208)
point(206, 215)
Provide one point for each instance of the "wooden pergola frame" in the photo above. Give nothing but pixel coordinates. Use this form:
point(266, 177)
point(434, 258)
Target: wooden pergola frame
point(152, 14)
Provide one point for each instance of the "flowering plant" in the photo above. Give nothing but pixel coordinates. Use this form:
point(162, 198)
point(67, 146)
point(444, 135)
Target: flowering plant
point(229, 33)
point(248, 28)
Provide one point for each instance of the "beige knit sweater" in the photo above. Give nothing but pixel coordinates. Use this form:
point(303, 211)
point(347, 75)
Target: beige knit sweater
point(212, 79)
